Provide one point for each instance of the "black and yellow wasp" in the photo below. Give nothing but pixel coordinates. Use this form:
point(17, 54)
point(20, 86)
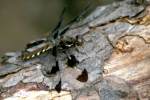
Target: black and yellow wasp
point(36, 48)
point(52, 43)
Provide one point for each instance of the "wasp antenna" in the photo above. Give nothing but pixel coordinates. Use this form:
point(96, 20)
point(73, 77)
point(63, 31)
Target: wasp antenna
point(56, 29)
point(77, 18)
point(64, 30)
point(60, 20)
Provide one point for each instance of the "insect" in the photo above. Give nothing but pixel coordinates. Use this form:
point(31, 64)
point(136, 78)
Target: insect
point(71, 42)
point(35, 48)
point(52, 41)
point(35, 43)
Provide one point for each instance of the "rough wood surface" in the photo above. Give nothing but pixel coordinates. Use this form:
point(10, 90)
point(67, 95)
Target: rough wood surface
point(115, 53)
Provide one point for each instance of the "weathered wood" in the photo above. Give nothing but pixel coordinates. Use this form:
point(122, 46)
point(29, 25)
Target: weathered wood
point(115, 52)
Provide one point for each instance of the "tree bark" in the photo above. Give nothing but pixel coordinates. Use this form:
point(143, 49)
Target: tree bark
point(115, 52)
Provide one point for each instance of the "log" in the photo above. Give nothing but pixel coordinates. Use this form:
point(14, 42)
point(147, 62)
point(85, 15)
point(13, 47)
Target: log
point(112, 63)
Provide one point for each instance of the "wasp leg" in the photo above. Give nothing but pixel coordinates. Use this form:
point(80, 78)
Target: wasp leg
point(60, 21)
point(77, 18)
point(54, 32)
point(56, 29)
